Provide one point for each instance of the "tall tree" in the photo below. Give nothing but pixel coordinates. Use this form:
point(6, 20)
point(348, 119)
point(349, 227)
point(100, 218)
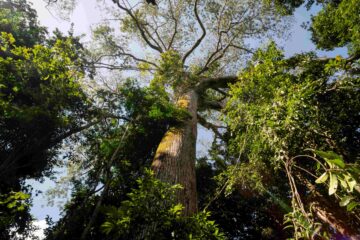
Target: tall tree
point(300, 115)
point(41, 104)
point(191, 49)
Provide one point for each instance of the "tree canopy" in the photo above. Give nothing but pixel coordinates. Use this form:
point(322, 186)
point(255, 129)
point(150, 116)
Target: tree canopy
point(124, 111)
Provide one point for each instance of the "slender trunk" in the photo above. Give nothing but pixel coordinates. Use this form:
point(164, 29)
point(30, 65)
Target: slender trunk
point(174, 160)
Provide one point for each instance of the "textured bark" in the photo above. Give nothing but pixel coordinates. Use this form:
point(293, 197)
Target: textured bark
point(335, 218)
point(330, 213)
point(174, 160)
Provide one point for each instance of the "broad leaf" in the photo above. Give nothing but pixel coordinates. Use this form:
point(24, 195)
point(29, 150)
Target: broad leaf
point(346, 200)
point(329, 155)
point(338, 162)
point(333, 184)
point(322, 178)
point(351, 206)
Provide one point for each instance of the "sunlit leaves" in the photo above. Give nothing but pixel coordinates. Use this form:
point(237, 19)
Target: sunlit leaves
point(171, 72)
point(337, 25)
point(322, 178)
point(152, 212)
point(279, 107)
point(339, 174)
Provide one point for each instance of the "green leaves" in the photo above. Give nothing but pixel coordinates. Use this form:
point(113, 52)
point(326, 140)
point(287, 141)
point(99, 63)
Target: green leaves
point(333, 184)
point(337, 25)
point(351, 206)
point(331, 158)
point(346, 200)
point(170, 72)
point(322, 178)
point(339, 172)
point(303, 226)
point(279, 107)
point(152, 212)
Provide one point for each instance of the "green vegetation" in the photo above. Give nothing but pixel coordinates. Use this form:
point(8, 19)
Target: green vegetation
point(284, 160)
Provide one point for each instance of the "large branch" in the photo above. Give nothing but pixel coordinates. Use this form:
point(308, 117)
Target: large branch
point(175, 26)
point(350, 59)
point(138, 25)
point(197, 43)
point(219, 82)
point(242, 48)
point(155, 29)
point(214, 105)
point(210, 126)
point(121, 67)
point(123, 53)
point(220, 52)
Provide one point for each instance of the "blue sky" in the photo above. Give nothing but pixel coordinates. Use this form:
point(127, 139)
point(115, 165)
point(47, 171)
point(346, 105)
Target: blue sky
point(86, 14)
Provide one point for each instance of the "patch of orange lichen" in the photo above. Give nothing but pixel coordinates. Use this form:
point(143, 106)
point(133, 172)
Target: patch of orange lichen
point(183, 102)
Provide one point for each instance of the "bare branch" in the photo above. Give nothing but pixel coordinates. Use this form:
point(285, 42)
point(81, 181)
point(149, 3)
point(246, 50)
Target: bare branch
point(210, 61)
point(197, 43)
point(215, 83)
point(210, 126)
point(241, 48)
point(124, 54)
point(225, 94)
point(121, 67)
point(156, 32)
point(214, 105)
point(138, 25)
point(175, 26)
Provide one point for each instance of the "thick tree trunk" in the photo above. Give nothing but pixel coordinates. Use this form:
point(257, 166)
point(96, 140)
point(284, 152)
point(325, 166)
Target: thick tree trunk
point(174, 160)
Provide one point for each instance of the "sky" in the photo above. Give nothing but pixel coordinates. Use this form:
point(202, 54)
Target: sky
point(85, 15)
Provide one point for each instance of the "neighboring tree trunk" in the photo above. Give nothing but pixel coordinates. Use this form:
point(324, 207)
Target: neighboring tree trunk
point(335, 218)
point(174, 160)
point(330, 213)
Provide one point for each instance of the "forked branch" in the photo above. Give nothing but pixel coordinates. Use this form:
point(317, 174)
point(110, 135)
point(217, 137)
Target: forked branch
point(139, 26)
point(218, 82)
point(210, 126)
point(197, 43)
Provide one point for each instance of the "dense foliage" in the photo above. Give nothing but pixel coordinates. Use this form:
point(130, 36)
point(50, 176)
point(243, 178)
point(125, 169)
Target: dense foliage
point(41, 101)
point(287, 115)
point(284, 161)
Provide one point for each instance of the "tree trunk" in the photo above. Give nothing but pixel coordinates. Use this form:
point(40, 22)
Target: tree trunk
point(335, 217)
point(174, 160)
point(329, 212)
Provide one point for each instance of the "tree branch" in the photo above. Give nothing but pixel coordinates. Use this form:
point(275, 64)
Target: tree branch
point(138, 25)
point(117, 67)
point(210, 126)
point(241, 48)
point(197, 43)
point(214, 83)
point(175, 27)
point(156, 32)
point(123, 53)
point(214, 105)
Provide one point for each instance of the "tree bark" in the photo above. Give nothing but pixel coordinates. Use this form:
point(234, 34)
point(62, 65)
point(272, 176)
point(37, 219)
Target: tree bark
point(174, 160)
point(329, 212)
point(335, 217)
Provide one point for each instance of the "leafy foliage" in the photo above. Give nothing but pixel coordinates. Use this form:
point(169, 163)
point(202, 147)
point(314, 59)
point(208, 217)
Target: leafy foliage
point(13, 211)
point(20, 19)
point(337, 25)
point(277, 108)
point(294, 119)
point(152, 213)
point(40, 101)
